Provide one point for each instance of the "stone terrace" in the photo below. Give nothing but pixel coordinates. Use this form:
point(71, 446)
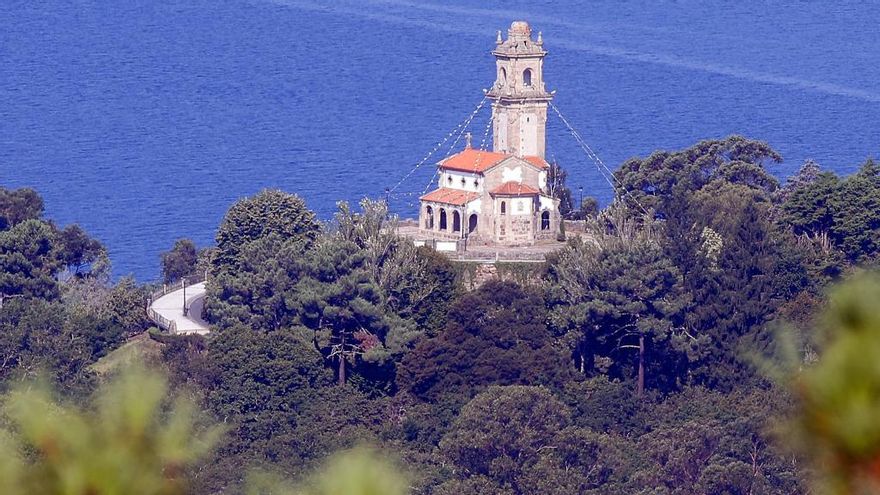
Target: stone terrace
point(536, 252)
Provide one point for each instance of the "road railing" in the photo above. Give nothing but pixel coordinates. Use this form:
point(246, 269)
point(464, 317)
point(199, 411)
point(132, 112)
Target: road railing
point(160, 321)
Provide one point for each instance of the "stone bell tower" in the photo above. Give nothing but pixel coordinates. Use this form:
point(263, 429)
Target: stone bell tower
point(519, 108)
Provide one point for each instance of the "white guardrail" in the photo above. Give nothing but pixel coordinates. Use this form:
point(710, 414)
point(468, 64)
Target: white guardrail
point(161, 321)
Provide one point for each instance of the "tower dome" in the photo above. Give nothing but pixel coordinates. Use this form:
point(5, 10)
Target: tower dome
point(519, 29)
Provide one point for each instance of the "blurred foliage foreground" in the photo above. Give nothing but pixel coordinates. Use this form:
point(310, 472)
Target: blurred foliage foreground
point(135, 438)
point(837, 424)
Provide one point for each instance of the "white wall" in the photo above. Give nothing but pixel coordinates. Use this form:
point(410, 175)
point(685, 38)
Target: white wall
point(512, 174)
point(456, 181)
point(520, 206)
point(546, 203)
point(446, 245)
point(528, 134)
point(501, 130)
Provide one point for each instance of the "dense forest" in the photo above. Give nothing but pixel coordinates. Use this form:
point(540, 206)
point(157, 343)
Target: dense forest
point(667, 352)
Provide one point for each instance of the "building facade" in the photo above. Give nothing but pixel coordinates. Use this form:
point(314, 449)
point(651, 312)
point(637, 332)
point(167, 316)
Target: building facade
point(501, 196)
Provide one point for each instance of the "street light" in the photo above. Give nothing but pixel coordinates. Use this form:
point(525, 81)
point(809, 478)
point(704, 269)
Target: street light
point(183, 284)
point(581, 204)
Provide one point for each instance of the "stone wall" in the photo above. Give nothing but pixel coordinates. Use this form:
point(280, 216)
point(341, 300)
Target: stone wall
point(474, 275)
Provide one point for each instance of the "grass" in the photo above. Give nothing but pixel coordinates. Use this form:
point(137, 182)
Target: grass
point(140, 348)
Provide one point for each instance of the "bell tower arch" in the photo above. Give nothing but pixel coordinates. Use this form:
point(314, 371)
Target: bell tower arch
point(519, 98)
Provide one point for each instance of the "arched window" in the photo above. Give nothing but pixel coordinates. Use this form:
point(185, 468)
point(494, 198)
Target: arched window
point(545, 220)
point(527, 77)
point(456, 221)
point(502, 76)
point(429, 218)
point(463, 182)
point(449, 180)
point(503, 208)
point(472, 223)
point(442, 219)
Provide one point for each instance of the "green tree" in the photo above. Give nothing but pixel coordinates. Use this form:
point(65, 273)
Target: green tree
point(339, 300)
point(29, 260)
point(715, 202)
point(617, 293)
point(589, 208)
point(259, 246)
point(837, 213)
point(125, 306)
point(424, 288)
point(556, 178)
point(366, 293)
point(856, 227)
point(416, 283)
point(494, 335)
point(119, 308)
point(729, 253)
point(810, 209)
point(517, 440)
point(275, 391)
point(269, 212)
point(260, 383)
point(180, 261)
point(18, 205)
point(270, 373)
point(664, 176)
point(254, 293)
point(78, 251)
point(58, 339)
point(806, 176)
point(700, 441)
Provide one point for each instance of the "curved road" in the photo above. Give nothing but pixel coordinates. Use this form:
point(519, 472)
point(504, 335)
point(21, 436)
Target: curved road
point(171, 306)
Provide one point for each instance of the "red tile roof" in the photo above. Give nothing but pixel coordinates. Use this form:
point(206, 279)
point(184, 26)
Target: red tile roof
point(537, 161)
point(472, 160)
point(515, 189)
point(450, 196)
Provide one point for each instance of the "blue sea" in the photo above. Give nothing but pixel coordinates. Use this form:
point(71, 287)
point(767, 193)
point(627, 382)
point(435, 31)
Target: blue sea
point(143, 121)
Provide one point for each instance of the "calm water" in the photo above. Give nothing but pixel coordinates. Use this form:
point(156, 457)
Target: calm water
point(144, 120)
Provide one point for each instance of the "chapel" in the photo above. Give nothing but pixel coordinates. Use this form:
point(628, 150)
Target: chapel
point(502, 196)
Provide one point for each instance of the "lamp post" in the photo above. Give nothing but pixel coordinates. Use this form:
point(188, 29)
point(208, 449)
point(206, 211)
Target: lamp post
point(581, 203)
point(183, 284)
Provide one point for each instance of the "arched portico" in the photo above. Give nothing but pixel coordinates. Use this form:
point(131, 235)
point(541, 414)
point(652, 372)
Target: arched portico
point(545, 220)
point(429, 217)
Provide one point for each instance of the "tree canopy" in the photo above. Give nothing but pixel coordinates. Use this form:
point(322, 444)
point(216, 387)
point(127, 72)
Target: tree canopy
point(642, 357)
point(267, 213)
point(494, 335)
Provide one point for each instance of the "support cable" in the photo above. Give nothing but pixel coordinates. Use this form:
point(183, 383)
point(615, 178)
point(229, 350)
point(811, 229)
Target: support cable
point(483, 145)
point(600, 165)
point(458, 129)
point(467, 123)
